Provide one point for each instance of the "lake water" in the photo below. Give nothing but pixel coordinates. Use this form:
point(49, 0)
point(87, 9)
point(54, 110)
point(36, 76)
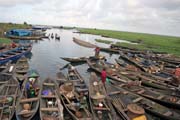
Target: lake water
point(46, 53)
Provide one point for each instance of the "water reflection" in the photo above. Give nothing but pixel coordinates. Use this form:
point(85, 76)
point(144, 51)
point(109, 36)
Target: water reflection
point(46, 53)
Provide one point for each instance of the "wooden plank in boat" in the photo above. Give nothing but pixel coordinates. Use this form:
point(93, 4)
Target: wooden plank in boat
point(11, 85)
point(3, 82)
point(168, 113)
point(115, 92)
point(99, 108)
point(8, 107)
point(137, 99)
point(48, 96)
point(49, 109)
point(160, 97)
point(178, 102)
point(29, 100)
point(141, 91)
point(49, 84)
point(26, 112)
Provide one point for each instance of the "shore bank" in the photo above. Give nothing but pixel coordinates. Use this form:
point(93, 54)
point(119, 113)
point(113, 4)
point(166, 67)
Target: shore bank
point(153, 42)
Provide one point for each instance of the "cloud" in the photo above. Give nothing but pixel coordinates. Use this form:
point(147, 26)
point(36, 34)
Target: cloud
point(11, 3)
point(161, 17)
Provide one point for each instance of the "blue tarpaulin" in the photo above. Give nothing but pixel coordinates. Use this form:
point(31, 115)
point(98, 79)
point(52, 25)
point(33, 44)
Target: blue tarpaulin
point(19, 32)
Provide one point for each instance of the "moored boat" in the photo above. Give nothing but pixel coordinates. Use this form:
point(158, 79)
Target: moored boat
point(84, 43)
point(4, 78)
point(98, 100)
point(112, 71)
point(70, 99)
point(50, 104)
point(121, 74)
point(28, 102)
point(21, 69)
point(81, 59)
point(122, 99)
point(15, 54)
point(8, 97)
point(78, 80)
point(152, 94)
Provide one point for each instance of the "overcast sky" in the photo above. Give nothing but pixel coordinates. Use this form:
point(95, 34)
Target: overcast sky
point(150, 16)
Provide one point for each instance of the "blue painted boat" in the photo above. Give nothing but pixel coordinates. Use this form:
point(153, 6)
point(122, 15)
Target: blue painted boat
point(15, 54)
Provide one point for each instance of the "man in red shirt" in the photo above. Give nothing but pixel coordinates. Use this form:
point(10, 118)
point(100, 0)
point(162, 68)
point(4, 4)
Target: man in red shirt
point(13, 45)
point(177, 71)
point(176, 77)
point(103, 76)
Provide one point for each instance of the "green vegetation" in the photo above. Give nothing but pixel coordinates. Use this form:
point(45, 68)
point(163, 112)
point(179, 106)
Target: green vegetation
point(67, 28)
point(4, 27)
point(5, 41)
point(154, 42)
point(7, 26)
point(103, 41)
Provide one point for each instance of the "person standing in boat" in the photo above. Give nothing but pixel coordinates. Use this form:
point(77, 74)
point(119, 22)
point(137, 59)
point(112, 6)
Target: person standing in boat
point(177, 75)
point(30, 88)
point(97, 50)
point(103, 76)
point(13, 45)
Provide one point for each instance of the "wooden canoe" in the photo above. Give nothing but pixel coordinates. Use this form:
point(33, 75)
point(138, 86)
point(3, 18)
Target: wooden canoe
point(152, 94)
point(77, 79)
point(8, 68)
point(15, 54)
point(112, 72)
point(10, 91)
point(50, 104)
point(124, 98)
point(97, 96)
point(84, 43)
point(160, 76)
point(123, 75)
point(73, 105)
point(4, 78)
point(116, 50)
point(4, 66)
point(22, 68)
point(23, 100)
point(75, 59)
point(81, 59)
point(60, 78)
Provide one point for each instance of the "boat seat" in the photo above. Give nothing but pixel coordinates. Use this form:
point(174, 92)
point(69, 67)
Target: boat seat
point(76, 80)
point(99, 108)
point(27, 112)
point(168, 113)
point(121, 85)
point(11, 85)
point(160, 97)
point(141, 91)
point(49, 84)
point(29, 100)
point(82, 90)
point(48, 96)
point(178, 102)
point(137, 99)
point(80, 85)
point(49, 109)
point(114, 93)
point(3, 82)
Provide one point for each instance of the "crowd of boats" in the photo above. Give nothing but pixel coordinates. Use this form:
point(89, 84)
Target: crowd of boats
point(140, 86)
